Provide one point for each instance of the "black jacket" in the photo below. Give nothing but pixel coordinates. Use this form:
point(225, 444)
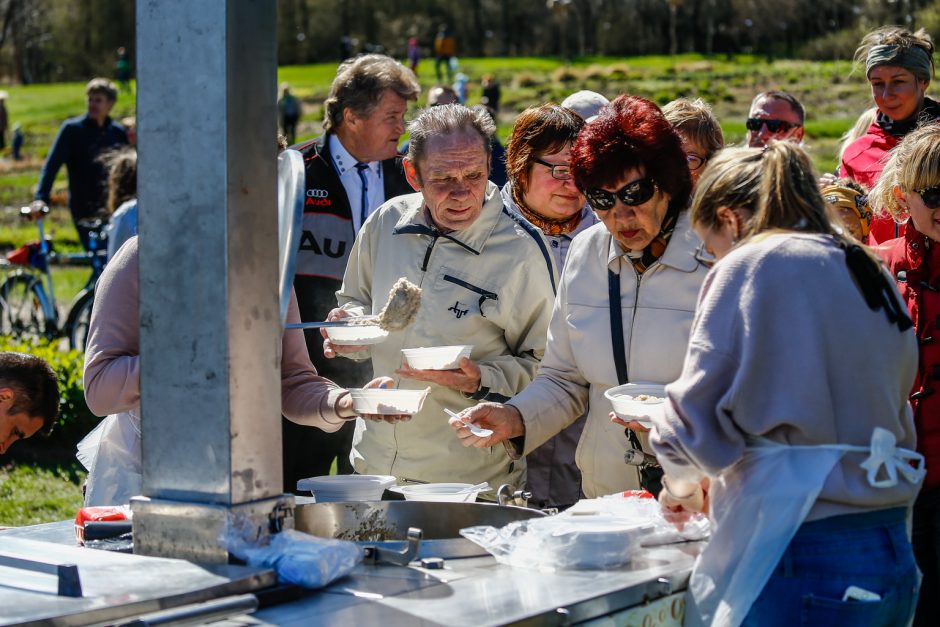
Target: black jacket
point(325, 243)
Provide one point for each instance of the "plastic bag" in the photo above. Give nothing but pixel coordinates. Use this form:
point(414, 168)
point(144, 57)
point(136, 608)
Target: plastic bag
point(594, 534)
point(111, 453)
point(296, 557)
point(647, 510)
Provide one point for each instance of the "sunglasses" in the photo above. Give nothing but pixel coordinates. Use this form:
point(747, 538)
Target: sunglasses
point(561, 172)
point(631, 194)
point(930, 196)
point(774, 126)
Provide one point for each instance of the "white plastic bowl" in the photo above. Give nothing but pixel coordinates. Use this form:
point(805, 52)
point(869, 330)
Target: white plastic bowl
point(335, 488)
point(627, 407)
point(436, 358)
point(388, 401)
point(440, 492)
point(356, 335)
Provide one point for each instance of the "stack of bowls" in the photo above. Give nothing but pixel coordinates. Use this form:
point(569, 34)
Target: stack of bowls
point(440, 492)
point(335, 488)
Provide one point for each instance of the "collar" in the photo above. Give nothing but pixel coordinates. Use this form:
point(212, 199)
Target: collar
point(929, 111)
point(679, 254)
point(87, 121)
point(588, 217)
point(472, 238)
point(345, 162)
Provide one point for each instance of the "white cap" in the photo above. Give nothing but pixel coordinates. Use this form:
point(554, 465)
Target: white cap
point(585, 103)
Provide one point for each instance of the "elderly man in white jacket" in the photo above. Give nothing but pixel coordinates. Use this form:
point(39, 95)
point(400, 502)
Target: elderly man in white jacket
point(487, 280)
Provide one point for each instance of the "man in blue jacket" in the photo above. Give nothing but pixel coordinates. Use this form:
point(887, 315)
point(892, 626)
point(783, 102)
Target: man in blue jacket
point(78, 145)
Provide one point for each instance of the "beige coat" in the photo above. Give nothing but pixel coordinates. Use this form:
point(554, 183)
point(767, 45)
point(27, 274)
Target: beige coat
point(493, 289)
point(579, 365)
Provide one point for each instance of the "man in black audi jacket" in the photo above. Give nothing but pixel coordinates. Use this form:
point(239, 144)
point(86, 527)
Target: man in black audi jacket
point(351, 170)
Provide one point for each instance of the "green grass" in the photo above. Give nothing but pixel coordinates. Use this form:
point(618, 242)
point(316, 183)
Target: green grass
point(37, 494)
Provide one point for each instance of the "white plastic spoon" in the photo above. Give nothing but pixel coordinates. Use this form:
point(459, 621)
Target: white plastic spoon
point(480, 432)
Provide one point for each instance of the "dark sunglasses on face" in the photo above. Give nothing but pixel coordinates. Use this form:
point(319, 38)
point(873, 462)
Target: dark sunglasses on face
point(562, 172)
point(774, 126)
point(930, 196)
point(631, 194)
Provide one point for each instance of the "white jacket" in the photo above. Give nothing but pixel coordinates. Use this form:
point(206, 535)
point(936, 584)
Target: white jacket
point(490, 285)
point(579, 364)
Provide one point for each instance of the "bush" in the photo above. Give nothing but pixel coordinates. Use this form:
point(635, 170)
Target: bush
point(75, 419)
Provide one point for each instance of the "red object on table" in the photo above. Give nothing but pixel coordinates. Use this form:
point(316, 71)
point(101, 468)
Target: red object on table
point(96, 514)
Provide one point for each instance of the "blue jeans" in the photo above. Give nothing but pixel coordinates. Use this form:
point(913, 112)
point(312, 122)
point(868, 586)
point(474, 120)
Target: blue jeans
point(869, 551)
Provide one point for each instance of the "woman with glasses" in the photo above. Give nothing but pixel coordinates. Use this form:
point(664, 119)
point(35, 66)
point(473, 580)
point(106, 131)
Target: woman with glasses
point(699, 130)
point(625, 299)
point(909, 189)
point(898, 66)
point(542, 190)
point(792, 409)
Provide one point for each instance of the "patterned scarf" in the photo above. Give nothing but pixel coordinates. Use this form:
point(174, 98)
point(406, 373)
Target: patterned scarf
point(549, 226)
point(657, 247)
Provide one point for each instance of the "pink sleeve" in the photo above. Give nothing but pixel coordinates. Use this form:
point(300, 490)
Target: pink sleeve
point(306, 398)
point(112, 362)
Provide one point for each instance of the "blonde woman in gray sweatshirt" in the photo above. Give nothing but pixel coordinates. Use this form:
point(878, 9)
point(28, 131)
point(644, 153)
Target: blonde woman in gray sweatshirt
point(791, 410)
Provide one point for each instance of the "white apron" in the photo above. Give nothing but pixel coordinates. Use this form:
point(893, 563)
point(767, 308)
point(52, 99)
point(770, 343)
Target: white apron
point(757, 507)
point(111, 453)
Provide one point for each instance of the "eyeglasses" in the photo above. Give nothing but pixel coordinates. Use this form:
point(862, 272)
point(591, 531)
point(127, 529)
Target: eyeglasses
point(631, 194)
point(930, 196)
point(774, 126)
point(695, 161)
point(561, 172)
point(704, 257)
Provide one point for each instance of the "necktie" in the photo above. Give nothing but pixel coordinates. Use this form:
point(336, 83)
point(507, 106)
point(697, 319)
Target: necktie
point(364, 208)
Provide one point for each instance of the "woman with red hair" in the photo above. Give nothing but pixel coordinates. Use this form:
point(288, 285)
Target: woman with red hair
point(625, 300)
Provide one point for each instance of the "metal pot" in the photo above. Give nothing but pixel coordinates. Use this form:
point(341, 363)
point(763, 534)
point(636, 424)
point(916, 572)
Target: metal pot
point(385, 524)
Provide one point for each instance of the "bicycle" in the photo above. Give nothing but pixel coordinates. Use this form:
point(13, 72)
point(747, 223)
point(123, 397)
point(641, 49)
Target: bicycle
point(28, 308)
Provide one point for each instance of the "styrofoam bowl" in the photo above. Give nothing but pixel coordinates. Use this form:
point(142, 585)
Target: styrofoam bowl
point(337, 488)
point(437, 357)
point(387, 401)
point(356, 335)
point(439, 492)
point(628, 407)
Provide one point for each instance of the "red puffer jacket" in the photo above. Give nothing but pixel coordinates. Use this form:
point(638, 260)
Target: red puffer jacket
point(863, 161)
point(917, 271)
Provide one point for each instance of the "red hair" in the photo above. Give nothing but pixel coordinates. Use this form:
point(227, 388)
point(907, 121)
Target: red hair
point(631, 133)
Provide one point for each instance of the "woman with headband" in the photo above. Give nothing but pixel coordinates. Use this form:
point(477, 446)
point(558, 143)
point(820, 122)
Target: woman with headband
point(899, 66)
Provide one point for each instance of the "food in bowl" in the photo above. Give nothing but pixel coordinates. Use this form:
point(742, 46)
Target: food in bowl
point(437, 357)
point(639, 402)
point(388, 401)
point(356, 335)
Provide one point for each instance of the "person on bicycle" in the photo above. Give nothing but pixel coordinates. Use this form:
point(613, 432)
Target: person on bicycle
point(77, 146)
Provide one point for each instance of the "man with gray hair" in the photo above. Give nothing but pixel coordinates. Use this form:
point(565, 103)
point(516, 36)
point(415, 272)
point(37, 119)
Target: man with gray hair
point(774, 115)
point(350, 170)
point(487, 281)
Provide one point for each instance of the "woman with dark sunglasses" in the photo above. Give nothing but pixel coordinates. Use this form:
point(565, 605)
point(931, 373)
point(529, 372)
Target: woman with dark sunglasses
point(791, 411)
point(625, 299)
point(898, 66)
point(909, 190)
point(542, 190)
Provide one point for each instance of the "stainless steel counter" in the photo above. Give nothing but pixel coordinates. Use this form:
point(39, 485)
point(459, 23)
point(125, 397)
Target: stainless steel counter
point(469, 591)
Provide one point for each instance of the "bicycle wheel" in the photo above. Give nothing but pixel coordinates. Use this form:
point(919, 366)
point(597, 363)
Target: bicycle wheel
point(76, 326)
point(24, 308)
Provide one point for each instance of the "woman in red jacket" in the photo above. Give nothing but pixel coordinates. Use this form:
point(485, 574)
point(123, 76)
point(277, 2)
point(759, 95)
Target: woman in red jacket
point(909, 188)
point(899, 66)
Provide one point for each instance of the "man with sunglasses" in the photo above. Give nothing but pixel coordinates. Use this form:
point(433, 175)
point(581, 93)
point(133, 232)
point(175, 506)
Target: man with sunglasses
point(774, 115)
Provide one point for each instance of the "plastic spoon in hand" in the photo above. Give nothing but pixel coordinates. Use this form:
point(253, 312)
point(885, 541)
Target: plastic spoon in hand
point(480, 432)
